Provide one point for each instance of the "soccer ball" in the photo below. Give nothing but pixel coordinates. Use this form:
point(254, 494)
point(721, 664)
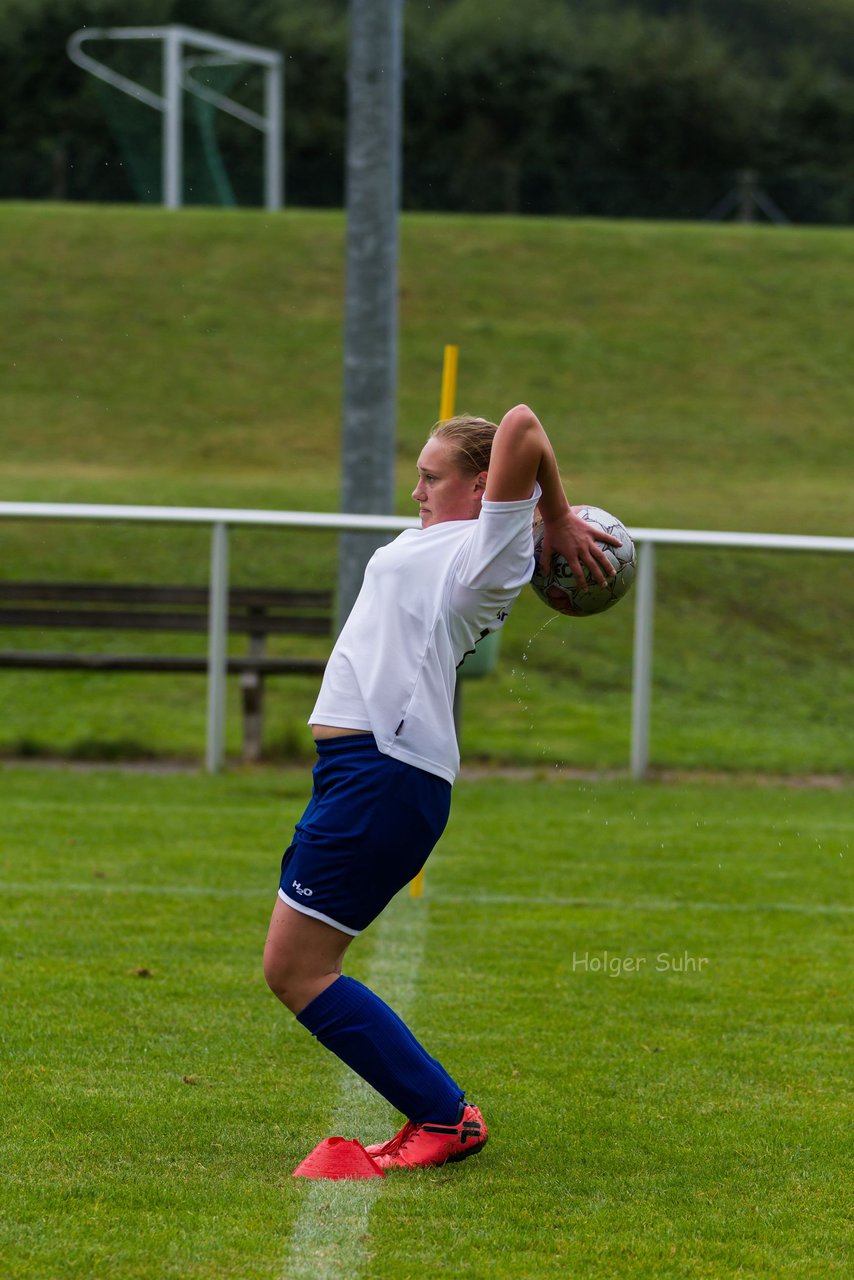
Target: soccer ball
point(559, 588)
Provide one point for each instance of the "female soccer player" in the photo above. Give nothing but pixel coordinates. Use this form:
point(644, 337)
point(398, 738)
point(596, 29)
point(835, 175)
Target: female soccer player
point(387, 751)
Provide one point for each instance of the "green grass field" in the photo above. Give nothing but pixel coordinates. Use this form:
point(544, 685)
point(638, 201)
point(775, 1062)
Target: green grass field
point(667, 1119)
point(692, 376)
point(679, 1116)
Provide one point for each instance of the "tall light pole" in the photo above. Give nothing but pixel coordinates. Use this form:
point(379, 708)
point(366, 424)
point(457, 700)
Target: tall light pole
point(374, 94)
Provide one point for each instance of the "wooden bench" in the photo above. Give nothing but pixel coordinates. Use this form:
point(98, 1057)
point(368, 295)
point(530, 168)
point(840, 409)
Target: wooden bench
point(256, 612)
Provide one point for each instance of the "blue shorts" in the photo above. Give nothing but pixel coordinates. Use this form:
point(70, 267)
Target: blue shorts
point(370, 826)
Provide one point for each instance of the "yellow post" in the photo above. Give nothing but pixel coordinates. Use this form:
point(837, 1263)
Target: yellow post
point(446, 410)
point(449, 383)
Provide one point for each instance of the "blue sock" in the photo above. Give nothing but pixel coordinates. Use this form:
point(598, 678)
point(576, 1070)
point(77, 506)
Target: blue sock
point(369, 1037)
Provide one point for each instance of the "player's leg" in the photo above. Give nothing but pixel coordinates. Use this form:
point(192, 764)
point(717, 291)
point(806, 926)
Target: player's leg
point(302, 965)
point(369, 828)
point(302, 956)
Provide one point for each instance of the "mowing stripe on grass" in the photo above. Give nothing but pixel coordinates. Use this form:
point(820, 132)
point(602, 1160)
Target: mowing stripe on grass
point(329, 1237)
point(40, 888)
point(645, 904)
point(112, 887)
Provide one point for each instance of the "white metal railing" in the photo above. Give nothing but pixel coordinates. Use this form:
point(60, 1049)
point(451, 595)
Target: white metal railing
point(220, 518)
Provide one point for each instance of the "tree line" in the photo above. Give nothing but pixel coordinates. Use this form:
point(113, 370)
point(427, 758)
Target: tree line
point(636, 108)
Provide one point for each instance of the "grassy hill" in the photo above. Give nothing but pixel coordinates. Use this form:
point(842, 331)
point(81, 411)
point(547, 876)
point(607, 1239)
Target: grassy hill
point(691, 376)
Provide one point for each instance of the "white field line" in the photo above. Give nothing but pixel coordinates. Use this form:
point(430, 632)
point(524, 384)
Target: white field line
point(115, 887)
point(329, 1239)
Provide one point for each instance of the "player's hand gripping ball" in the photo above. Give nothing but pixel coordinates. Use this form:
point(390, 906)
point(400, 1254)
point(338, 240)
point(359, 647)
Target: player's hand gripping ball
point(560, 589)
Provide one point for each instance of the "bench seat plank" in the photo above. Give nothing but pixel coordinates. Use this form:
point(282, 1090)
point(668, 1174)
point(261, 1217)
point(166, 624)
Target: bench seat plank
point(263, 664)
point(132, 593)
point(158, 620)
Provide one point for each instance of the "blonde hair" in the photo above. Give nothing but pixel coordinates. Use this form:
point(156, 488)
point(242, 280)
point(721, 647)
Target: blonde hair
point(470, 439)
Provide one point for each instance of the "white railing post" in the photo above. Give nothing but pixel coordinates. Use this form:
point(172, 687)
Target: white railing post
point(642, 660)
point(217, 648)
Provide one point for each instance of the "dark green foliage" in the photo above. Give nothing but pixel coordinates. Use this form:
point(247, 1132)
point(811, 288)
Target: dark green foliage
point(648, 108)
point(635, 117)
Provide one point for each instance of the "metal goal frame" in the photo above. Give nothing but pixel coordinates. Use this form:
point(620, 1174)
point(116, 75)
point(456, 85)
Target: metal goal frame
point(177, 78)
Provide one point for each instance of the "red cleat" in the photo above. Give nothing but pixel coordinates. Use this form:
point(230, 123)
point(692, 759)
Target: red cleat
point(419, 1145)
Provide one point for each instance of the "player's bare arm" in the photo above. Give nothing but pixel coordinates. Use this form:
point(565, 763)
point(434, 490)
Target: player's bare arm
point(521, 454)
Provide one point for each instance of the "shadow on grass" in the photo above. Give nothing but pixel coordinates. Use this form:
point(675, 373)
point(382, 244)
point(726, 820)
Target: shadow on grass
point(108, 750)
